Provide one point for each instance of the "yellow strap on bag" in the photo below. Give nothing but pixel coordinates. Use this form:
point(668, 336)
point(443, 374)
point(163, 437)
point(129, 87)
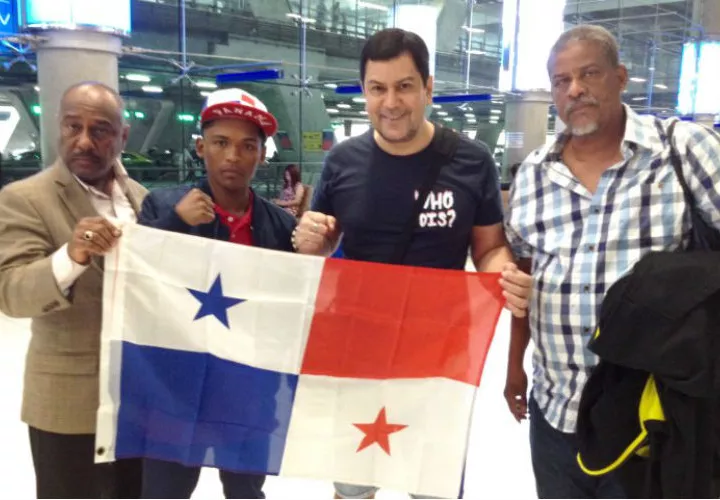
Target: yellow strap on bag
point(650, 408)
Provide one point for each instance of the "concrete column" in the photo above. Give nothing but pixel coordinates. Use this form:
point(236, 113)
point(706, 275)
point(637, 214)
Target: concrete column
point(526, 126)
point(67, 57)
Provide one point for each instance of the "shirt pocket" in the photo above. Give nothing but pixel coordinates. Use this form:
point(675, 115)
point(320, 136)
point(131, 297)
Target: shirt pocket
point(651, 215)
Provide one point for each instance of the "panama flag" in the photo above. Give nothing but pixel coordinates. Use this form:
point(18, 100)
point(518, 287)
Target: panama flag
point(253, 360)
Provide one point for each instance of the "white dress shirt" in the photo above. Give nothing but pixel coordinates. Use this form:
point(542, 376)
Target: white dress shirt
point(116, 208)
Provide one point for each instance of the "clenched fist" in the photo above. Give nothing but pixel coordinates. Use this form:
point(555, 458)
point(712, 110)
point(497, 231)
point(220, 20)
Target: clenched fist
point(196, 208)
point(92, 236)
point(316, 234)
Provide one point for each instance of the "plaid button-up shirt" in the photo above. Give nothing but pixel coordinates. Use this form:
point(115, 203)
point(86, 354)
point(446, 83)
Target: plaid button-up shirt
point(582, 242)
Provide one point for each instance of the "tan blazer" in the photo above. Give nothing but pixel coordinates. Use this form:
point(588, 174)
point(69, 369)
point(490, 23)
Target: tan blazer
point(37, 216)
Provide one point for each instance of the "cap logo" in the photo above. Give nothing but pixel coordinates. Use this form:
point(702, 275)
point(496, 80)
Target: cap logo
point(258, 117)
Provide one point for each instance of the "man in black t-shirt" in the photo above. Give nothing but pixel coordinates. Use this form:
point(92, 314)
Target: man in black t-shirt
point(372, 192)
point(369, 185)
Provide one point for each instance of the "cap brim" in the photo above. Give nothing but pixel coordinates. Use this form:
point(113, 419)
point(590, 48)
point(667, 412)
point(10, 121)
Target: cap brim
point(237, 111)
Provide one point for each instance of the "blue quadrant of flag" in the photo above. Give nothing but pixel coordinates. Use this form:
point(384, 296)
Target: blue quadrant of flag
point(197, 409)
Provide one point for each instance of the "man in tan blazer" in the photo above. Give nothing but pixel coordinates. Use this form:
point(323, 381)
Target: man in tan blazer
point(54, 229)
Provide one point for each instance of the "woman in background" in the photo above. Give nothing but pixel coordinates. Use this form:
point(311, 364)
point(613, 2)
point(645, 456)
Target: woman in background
point(293, 191)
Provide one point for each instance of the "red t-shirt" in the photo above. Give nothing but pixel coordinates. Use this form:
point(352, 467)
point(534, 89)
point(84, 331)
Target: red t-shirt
point(240, 227)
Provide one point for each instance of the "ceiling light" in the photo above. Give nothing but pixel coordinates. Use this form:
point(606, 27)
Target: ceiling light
point(331, 85)
point(442, 113)
point(152, 89)
point(375, 6)
point(135, 77)
point(342, 105)
point(470, 29)
point(661, 86)
point(437, 106)
point(639, 98)
point(300, 18)
point(447, 119)
point(332, 111)
point(496, 111)
point(206, 85)
point(359, 100)
point(469, 115)
point(637, 79)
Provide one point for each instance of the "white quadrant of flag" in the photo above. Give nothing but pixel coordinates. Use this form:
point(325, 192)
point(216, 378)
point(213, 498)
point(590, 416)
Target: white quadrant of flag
point(324, 440)
point(267, 330)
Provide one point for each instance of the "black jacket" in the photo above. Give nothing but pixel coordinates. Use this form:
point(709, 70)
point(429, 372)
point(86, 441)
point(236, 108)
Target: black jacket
point(271, 227)
point(659, 326)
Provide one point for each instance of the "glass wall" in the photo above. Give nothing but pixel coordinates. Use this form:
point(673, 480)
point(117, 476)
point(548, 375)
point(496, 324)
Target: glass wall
point(177, 49)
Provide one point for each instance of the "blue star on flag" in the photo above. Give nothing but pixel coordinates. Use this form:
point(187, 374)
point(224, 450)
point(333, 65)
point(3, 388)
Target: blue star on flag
point(214, 303)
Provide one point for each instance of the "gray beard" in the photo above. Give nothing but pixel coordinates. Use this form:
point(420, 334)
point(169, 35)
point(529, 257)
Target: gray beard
point(588, 129)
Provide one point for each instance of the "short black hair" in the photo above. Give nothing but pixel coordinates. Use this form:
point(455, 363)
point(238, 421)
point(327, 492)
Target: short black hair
point(390, 43)
point(203, 126)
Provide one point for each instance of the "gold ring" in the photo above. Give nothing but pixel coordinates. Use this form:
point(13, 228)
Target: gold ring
point(88, 235)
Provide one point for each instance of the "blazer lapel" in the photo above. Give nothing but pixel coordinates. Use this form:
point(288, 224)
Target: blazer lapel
point(76, 201)
point(72, 194)
point(136, 194)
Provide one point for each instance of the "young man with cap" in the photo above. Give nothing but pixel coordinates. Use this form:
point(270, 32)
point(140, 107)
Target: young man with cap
point(235, 125)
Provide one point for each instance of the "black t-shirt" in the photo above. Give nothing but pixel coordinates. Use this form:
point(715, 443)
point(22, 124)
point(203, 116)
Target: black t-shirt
point(372, 193)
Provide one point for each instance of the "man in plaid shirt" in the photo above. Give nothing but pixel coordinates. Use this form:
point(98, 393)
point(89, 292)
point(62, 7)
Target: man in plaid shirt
point(582, 212)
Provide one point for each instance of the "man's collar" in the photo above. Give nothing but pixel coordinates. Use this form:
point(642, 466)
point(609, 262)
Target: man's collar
point(204, 185)
point(642, 130)
point(120, 175)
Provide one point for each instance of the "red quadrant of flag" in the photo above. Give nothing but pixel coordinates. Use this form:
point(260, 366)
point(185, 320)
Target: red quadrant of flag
point(378, 321)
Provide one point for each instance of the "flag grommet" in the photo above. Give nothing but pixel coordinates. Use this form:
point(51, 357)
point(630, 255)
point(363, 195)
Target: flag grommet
point(101, 451)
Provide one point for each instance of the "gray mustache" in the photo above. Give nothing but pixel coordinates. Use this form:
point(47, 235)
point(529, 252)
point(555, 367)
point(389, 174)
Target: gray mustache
point(590, 101)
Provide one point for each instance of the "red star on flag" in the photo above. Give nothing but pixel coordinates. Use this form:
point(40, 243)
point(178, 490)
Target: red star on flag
point(378, 432)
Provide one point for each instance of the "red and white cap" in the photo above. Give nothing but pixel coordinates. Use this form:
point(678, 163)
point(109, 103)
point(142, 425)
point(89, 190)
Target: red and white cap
point(239, 105)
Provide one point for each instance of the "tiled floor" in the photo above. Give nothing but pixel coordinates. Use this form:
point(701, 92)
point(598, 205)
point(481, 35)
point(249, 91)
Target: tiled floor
point(498, 462)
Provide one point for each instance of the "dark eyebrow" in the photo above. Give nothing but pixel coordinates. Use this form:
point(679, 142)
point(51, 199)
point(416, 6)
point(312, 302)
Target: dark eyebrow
point(402, 80)
point(582, 68)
